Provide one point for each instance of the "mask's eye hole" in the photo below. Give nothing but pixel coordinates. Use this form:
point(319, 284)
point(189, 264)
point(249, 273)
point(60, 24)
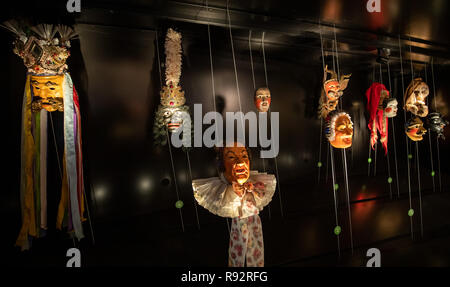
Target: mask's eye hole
point(52, 89)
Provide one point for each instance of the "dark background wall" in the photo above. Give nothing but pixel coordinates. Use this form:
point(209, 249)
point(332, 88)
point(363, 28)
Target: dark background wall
point(129, 182)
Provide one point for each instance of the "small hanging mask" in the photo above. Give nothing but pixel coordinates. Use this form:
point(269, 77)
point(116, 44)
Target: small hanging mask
point(262, 99)
point(333, 90)
point(390, 106)
point(414, 129)
point(436, 124)
point(339, 130)
point(415, 97)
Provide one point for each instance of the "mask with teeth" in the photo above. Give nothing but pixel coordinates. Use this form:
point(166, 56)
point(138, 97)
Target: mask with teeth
point(236, 163)
point(339, 130)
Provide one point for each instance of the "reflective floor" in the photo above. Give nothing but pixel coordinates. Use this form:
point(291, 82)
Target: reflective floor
point(300, 238)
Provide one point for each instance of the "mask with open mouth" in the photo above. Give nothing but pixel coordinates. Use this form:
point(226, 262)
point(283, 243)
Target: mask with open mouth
point(415, 97)
point(339, 130)
point(262, 99)
point(414, 129)
point(236, 163)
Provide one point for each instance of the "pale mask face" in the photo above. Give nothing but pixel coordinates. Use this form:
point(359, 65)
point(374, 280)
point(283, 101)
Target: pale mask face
point(262, 99)
point(171, 117)
point(391, 108)
point(343, 132)
point(417, 93)
point(237, 164)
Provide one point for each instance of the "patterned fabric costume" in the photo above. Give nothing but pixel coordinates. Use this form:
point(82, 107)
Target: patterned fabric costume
point(246, 238)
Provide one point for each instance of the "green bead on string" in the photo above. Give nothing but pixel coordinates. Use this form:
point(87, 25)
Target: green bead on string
point(337, 230)
point(336, 186)
point(433, 173)
point(390, 179)
point(179, 204)
point(369, 160)
point(411, 212)
point(319, 164)
point(410, 156)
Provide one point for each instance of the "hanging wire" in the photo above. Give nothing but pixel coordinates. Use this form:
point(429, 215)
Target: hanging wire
point(213, 86)
point(235, 66)
point(275, 158)
point(406, 139)
point(369, 159)
point(254, 89)
point(159, 60)
point(417, 153)
point(344, 158)
point(321, 120)
point(335, 198)
point(174, 177)
point(429, 137)
point(437, 139)
point(190, 179)
point(417, 148)
point(393, 135)
point(387, 149)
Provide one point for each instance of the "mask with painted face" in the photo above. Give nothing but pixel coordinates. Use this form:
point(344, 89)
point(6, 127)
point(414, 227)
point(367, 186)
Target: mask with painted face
point(236, 163)
point(415, 97)
point(172, 111)
point(339, 130)
point(47, 93)
point(262, 99)
point(390, 106)
point(333, 89)
point(414, 129)
point(437, 123)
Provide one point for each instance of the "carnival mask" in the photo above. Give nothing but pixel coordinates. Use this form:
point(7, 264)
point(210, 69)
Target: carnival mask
point(340, 130)
point(47, 93)
point(436, 124)
point(262, 99)
point(333, 90)
point(390, 107)
point(414, 129)
point(415, 98)
point(236, 163)
point(172, 118)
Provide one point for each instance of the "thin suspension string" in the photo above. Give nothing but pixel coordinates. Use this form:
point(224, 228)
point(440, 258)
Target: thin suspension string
point(417, 152)
point(235, 67)
point(335, 199)
point(254, 89)
point(190, 179)
point(437, 139)
point(174, 177)
point(429, 137)
point(213, 86)
point(168, 139)
point(387, 149)
point(344, 157)
point(393, 135)
point(406, 139)
point(275, 158)
point(159, 60)
point(322, 91)
point(251, 58)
